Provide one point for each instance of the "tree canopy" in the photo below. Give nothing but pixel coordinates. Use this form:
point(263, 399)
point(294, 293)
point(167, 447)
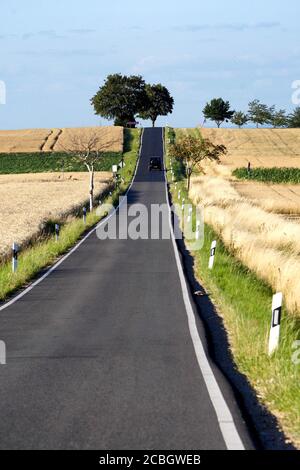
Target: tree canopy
point(218, 110)
point(239, 119)
point(260, 113)
point(122, 98)
point(160, 103)
point(294, 118)
point(279, 118)
point(194, 151)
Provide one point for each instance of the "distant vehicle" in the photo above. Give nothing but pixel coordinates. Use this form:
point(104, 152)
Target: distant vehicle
point(155, 164)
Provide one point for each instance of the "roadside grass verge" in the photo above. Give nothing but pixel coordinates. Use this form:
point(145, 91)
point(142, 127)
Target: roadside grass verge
point(15, 163)
point(46, 252)
point(269, 175)
point(244, 302)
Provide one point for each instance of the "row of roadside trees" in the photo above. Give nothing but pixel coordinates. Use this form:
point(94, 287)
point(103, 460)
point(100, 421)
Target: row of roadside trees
point(259, 114)
point(125, 98)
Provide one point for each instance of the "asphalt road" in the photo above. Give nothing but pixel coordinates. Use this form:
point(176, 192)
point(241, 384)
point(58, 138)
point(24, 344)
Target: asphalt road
point(100, 354)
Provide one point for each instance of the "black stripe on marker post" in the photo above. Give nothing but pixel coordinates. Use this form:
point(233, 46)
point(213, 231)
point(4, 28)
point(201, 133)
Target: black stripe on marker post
point(276, 318)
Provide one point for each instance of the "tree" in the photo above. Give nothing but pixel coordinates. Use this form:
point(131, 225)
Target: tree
point(194, 151)
point(294, 118)
point(121, 98)
point(160, 103)
point(259, 113)
point(278, 118)
point(88, 148)
point(218, 110)
point(239, 119)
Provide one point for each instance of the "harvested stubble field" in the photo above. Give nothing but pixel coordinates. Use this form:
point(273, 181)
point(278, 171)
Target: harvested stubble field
point(261, 147)
point(29, 200)
point(57, 140)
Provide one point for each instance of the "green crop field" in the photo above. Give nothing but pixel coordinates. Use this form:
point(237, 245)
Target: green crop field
point(269, 175)
point(14, 163)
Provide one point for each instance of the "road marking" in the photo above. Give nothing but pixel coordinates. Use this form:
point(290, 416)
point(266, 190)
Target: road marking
point(93, 230)
point(224, 416)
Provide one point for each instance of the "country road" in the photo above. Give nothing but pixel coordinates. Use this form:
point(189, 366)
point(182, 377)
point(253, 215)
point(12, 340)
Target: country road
point(107, 352)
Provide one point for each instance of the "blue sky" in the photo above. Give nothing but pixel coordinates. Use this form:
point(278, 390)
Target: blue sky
point(55, 55)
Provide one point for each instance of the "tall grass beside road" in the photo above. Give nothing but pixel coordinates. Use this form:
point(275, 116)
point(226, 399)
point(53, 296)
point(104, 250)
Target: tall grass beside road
point(45, 252)
point(264, 242)
point(243, 300)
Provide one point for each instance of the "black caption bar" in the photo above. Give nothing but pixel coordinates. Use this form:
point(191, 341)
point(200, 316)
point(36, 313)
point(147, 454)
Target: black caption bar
point(144, 459)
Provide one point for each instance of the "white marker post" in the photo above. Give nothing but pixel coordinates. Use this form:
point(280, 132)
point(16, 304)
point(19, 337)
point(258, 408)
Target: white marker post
point(179, 195)
point(57, 230)
point(15, 254)
point(190, 214)
point(275, 325)
point(212, 254)
point(115, 169)
point(84, 215)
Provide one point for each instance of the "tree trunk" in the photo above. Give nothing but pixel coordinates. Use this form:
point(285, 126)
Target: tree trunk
point(189, 173)
point(153, 122)
point(188, 182)
point(91, 188)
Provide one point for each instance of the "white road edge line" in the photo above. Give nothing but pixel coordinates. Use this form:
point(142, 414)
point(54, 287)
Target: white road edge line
point(224, 416)
point(58, 263)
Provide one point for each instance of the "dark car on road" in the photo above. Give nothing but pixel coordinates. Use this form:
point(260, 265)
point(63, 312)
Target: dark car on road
point(155, 164)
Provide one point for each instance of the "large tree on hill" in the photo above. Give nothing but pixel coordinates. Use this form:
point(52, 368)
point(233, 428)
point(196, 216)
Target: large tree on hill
point(259, 113)
point(160, 103)
point(218, 111)
point(239, 119)
point(121, 98)
point(294, 118)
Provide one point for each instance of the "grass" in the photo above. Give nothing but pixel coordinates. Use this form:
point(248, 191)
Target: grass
point(44, 253)
point(14, 163)
point(269, 175)
point(245, 305)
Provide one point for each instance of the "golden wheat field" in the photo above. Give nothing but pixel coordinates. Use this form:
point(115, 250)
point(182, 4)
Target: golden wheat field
point(48, 140)
point(265, 242)
point(278, 198)
point(28, 200)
